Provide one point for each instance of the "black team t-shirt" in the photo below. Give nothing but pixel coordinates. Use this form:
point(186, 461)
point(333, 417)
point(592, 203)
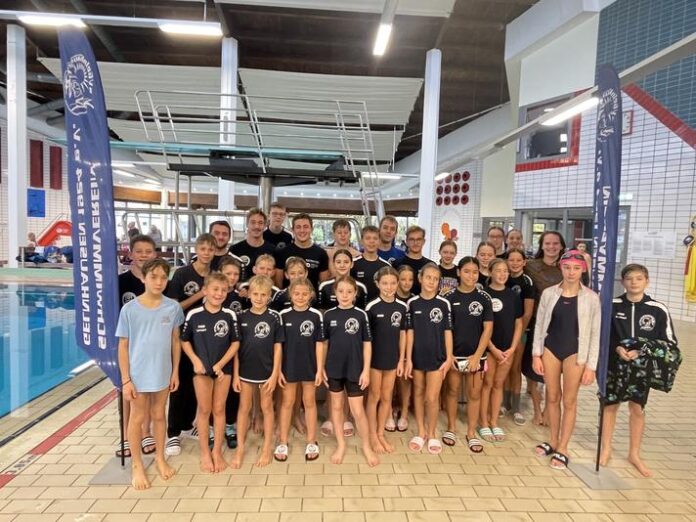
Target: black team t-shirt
point(387, 321)
point(235, 303)
point(259, 333)
point(469, 311)
point(429, 319)
point(248, 254)
point(507, 307)
point(211, 335)
point(522, 285)
point(345, 329)
point(303, 330)
point(281, 301)
point(185, 283)
point(129, 287)
point(327, 295)
point(449, 280)
point(279, 240)
point(364, 271)
point(315, 257)
point(416, 264)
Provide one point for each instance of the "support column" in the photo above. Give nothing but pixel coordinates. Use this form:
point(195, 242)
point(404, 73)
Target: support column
point(228, 116)
point(265, 194)
point(428, 166)
point(17, 158)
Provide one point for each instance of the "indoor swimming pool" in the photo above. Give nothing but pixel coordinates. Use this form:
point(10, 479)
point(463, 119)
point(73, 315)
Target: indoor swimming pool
point(38, 350)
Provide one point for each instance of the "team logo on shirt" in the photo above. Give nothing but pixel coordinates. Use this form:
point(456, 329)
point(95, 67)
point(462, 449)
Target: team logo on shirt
point(311, 263)
point(281, 244)
point(647, 323)
point(391, 260)
point(262, 330)
point(307, 328)
point(497, 304)
point(221, 328)
point(236, 306)
point(517, 289)
point(127, 297)
point(475, 308)
point(245, 260)
point(396, 319)
point(436, 315)
point(191, 288)
point(352, 326)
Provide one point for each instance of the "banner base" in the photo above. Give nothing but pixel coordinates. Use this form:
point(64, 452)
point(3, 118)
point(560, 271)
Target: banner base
point(603, 479)
point(113, 474)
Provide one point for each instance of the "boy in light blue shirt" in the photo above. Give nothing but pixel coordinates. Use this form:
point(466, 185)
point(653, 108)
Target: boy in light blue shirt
point(148, 355)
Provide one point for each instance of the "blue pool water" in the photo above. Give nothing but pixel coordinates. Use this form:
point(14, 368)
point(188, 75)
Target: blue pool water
point(38, 350)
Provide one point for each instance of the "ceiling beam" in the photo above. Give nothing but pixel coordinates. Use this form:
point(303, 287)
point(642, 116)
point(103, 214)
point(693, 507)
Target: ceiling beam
point(46, 107)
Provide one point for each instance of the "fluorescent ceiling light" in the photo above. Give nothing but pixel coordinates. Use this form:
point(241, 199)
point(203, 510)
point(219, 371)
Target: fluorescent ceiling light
point(382, 39)
point(441, 175)
point(52, 20)
point(569, 113)
point(382, 175)
point(124, 173)
point(192, 28)
point(123, 164)
point(151, 182)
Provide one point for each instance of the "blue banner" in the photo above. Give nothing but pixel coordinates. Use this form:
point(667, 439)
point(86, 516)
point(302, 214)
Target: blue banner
point(91, 203)
point(606, 205)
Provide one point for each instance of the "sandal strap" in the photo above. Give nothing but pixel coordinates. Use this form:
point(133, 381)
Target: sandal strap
point(281, 449)
point(126, 445)
point(148, 441)
point(311, 448)
point(560, 457)
point(498, 431)
point(474, 442)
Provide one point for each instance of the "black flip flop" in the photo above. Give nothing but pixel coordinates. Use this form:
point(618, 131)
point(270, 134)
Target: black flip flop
point(546, 448)
point(559, 457)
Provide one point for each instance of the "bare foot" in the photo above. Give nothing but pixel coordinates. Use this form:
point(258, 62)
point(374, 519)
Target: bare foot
point(139, 478)
point(377, 445)
point(638, 464)
point(219, 462)
point(165, 470)
point(370, 456)
point(207, 463)
point(300, 426)
point(258, 424)
point(538, 419)
point(605, 456)
point(238, 458)
point(385, 444)
point(337, 456)
point(265, 458)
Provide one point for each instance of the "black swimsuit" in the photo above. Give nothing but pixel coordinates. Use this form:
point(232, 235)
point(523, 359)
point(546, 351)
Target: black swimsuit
point(563, 332)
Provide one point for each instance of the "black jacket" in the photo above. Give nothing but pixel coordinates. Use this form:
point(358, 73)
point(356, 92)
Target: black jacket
point(648, 319)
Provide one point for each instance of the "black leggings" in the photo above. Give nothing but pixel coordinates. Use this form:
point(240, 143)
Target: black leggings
point(182, 403)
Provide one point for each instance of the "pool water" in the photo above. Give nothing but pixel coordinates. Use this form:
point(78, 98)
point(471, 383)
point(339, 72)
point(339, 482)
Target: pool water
point(38, 350)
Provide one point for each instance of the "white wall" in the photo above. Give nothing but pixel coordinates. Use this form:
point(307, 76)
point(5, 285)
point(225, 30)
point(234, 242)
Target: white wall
point(498, 182)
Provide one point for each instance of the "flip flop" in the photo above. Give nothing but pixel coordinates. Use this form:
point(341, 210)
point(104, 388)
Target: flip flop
point(543, 450)
point(327, 429)
point(348, 429)
point(402, 424)
point(126, 450)
point(434, 447)
point(449, 438)
point(148, 445)
point(519, 419)
point(311, 452)
point(486, 434)
point(390, 425)
point(281, 453)
point(499, 434)
point(473, 444)
point(560, 460)
point(416, 444)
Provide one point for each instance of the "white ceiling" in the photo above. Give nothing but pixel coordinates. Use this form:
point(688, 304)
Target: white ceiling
point(441, 8)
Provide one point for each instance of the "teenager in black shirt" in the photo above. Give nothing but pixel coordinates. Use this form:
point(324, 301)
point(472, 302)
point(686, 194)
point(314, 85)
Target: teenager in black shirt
point(265, 266)
point(403, 292)
point(347, 368)
point(365, 267)
point(258, 365)
point(222, 232)
point(253, 245)
point(428, 355)
point(415, 239)
point(276, 234)
point(210, 339)
point(186, 287)
point(387, 317)
point(485, 253)
point(295, 268)
point(449, 280)
point(303, 356)
point(507, 332)
point(472, 317)
point(303, 246)
point(343, 263)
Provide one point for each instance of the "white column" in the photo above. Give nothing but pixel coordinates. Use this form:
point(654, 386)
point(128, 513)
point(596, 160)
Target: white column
point(17, 158)
point(431, 120)
point(228, 116)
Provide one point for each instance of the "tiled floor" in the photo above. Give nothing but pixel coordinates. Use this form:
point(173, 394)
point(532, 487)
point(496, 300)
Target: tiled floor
point(506, 483)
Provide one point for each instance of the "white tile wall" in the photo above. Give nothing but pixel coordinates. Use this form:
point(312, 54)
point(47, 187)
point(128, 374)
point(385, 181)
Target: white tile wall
point(658, 170)
point(57, 201)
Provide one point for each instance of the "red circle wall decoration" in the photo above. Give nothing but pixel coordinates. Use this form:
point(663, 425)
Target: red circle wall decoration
point(438, 201)
point(448, 189)
point(466, 175)
point(465, 199)
point(447, 200)
point(455, 200)
point(457, 177)
point(439, 190)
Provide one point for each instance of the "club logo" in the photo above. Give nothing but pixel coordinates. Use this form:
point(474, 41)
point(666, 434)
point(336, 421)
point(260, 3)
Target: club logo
point(396, 319)
point(475, 308)
point(517, 289)
point(191, 288)
point(497, 304)
point(236, 306)
point(607, 113)
point(127, 297)
point(352, 326)
point(436, 315)
point(221, 328)
point(647, 323)
point(262, 330)
point(307, 328)
point(244, 260)
point(78, 82)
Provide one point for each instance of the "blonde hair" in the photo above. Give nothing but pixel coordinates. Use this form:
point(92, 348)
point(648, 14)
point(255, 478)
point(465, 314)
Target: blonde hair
point(301, 281)
point(261, 282)
point(265, 257)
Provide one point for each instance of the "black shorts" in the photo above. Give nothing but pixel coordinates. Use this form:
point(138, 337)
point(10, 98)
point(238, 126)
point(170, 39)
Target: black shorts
point(641, 400)
point(352, 388)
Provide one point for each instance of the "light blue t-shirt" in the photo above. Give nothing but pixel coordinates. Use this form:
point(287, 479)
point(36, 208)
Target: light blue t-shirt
point(149, 334)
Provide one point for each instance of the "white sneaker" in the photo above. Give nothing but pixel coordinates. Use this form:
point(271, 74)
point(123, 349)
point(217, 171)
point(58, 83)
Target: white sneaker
point(173, 447)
